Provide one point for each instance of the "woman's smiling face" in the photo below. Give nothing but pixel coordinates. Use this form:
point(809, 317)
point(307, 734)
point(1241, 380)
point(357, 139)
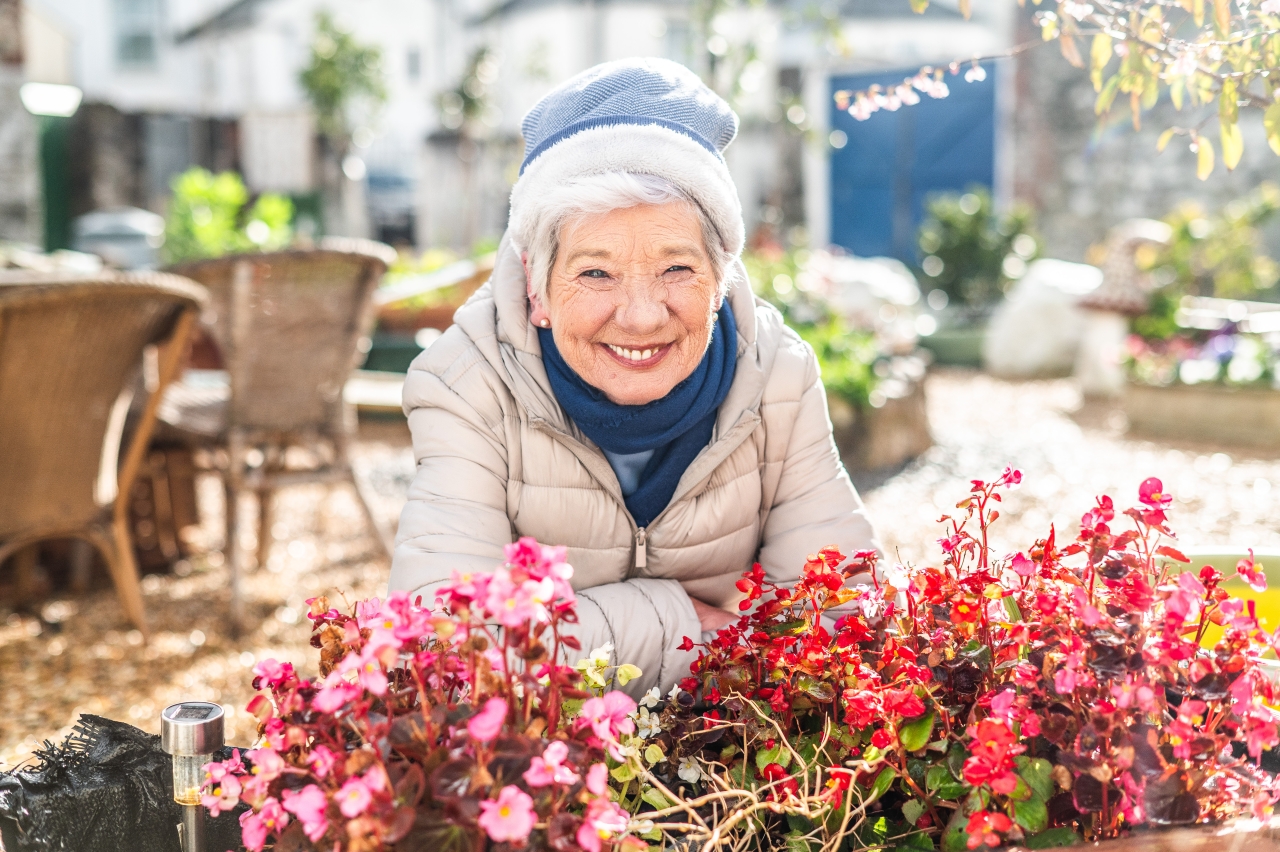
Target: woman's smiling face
point(632, 299)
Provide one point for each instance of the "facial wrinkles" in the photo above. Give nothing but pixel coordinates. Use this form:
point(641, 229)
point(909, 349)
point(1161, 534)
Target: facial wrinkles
point(637, 306)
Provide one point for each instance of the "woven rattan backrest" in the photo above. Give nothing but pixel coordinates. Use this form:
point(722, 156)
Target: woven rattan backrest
point(68, 345)
point(288, 324)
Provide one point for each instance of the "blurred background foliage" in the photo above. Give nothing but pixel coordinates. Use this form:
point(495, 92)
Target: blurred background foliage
point(847, 356)
point(341, 72)
point(970, 252)
point(210, 215)
point(1220, 254)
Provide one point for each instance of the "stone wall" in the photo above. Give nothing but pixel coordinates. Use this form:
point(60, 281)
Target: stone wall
point(1084, 175)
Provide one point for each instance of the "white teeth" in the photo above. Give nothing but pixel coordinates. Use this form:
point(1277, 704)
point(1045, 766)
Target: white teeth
point(633, 354)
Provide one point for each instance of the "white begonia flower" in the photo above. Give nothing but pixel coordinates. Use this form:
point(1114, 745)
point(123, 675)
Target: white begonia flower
point(689, 770)
point(600, 656)
point(674, 693)
point(641, 826)
point(653, 696)
point(647, 724)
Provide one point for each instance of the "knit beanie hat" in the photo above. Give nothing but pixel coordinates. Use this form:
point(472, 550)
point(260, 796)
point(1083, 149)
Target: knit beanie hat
point(642, 116)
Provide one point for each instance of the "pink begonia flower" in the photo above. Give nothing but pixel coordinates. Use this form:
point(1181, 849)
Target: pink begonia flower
point(219, 769)
point(256, 791)
point(1022, 566)
point(1260, 731)
point(222, 796)
point(322, 760)
point(486, 724)
point(368, 666)
point(510, 818)
point(273, 672)
point(308, 805)
point(1064, 681)
point(336, 693)
point(1152, 492)
point(608, 715)
point(267, 763)
point(255, 825)
point(1252, 573)
point(550, 768)
point(598, 779)
point(354, 798)
point(603, 820)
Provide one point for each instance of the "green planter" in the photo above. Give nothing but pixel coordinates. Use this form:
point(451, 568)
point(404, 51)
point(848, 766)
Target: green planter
point(956, 347)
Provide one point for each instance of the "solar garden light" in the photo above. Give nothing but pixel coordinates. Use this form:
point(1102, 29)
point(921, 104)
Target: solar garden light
point(191, 732)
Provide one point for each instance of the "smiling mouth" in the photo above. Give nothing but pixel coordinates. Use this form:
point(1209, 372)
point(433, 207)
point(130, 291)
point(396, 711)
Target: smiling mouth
point(638, 357)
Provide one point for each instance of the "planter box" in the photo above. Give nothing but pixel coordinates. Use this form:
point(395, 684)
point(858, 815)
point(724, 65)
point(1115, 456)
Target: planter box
point(956, 347)
point(871, 438)
point(1244, 416)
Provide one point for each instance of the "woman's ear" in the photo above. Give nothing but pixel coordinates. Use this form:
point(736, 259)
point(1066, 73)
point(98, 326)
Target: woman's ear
point(538, 314)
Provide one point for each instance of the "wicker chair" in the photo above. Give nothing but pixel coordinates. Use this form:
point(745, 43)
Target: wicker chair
point(69, 349)
point(288, 325)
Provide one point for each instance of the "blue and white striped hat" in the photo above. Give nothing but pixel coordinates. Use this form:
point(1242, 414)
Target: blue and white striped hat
point(642, 116)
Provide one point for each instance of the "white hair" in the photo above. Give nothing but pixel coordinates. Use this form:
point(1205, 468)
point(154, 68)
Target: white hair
point(603, 193)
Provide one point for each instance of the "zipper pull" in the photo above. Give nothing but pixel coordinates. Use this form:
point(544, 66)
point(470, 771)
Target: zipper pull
point(642, 556)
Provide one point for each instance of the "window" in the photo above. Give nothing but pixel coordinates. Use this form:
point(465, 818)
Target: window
point(137, 31)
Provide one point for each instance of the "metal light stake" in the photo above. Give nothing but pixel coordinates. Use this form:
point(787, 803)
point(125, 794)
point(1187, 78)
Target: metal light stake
point(191, 732)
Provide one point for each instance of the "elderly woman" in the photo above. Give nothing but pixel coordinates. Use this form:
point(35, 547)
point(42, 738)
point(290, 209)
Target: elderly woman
point(616, 388)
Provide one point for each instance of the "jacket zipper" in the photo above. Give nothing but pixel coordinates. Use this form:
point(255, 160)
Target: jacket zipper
point(642, 555)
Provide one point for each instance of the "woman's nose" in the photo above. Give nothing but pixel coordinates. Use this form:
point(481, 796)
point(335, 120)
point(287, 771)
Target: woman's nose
point(644, 310)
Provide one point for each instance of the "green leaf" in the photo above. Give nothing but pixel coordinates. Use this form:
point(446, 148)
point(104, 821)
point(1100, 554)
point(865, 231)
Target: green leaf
point(1107, 96)
point(1038, 773)
point(1271, 122)
point(1232, 145)
point(1062, 836)
point(882, 782)
point(916, 840)
point(912, 809)
point(1163, 141)
point(1204, 158)
point(1228, 102)
point(627, 673)
point(954, 837)
point(955, 760)
point(622, 774)
point(787, 628)
point(653, 796)
point(1011, 608)
point(779, 754)
point(653, 754)
point(914, 735)
point(1031, 814)
point(918, 6)
point(1021, 791)
point(1099, 55)
point(936, 777)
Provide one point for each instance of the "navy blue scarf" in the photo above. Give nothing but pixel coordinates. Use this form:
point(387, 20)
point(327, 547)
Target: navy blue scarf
point(675, 427)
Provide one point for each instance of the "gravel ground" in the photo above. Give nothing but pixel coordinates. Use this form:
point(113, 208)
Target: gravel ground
point(79, 656)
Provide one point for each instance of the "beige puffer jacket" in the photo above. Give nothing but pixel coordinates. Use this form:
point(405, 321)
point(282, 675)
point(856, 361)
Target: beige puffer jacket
point(498, 459)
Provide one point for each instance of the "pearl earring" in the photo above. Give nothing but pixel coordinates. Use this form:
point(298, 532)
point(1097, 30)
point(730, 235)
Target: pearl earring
point(546, 323)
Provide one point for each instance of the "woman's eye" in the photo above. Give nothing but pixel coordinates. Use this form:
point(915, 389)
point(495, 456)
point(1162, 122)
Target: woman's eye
point(595, 273)
point(679, 269)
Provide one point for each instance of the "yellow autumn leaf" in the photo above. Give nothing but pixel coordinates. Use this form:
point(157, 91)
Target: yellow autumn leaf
point(1067, 44)
point(1197, 12)
point(965, 8)
point(1204, 158)
point(1228, 102)
point(1271, 122)
point(1100, 53)
point(1232, 145)
point(1222, 16)
point(1163, 141)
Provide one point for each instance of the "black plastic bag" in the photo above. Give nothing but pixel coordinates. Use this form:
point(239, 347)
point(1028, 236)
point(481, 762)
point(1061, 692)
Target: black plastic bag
point(107, 788)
